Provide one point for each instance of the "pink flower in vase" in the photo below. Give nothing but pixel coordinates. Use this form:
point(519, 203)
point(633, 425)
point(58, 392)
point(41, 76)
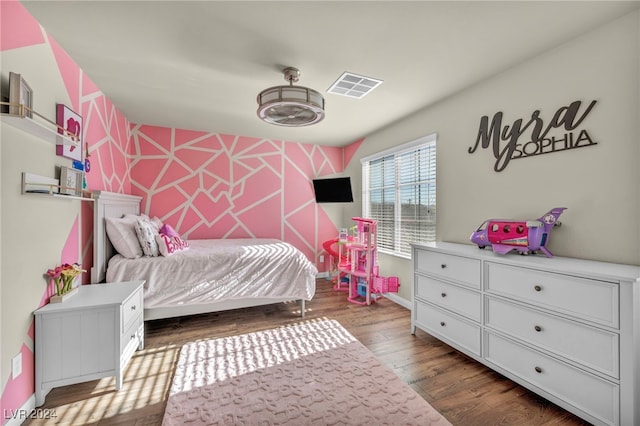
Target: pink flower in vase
point(63, 276)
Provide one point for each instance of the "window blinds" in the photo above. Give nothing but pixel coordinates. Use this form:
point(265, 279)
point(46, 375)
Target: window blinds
point(399, 191)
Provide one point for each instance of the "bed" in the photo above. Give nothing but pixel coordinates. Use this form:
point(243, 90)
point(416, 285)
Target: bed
point(212, 275)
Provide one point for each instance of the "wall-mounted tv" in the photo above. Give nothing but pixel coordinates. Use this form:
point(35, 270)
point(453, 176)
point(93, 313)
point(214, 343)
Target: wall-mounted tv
point(333, 190)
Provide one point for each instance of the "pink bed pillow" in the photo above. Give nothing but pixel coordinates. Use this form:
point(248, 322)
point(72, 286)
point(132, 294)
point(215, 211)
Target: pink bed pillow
point(168, 230)
point(171, 245)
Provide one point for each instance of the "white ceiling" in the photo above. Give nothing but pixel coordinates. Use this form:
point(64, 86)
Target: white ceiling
point(199, 65)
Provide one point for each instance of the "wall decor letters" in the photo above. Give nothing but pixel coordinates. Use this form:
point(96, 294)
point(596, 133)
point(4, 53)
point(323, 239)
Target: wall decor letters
point(507, 142)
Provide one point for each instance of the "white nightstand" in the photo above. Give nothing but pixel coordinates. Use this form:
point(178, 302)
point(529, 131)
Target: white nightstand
point(90, 336)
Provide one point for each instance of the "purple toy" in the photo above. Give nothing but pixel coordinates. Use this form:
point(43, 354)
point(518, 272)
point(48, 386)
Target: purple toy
point(526, 236)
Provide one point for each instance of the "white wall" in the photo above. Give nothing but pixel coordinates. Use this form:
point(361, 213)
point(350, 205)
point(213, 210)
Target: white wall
point(34, 228)
point(597, 184)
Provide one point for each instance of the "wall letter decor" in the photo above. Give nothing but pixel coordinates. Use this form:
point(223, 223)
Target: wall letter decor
point(505, 140)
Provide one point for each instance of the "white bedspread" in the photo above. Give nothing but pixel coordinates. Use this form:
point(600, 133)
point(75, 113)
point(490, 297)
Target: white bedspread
point(216, 270)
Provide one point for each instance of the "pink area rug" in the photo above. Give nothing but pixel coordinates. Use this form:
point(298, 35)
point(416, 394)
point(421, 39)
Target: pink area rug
point(312, 373)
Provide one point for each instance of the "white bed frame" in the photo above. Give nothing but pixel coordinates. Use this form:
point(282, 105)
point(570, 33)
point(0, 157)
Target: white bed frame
point(110, 204)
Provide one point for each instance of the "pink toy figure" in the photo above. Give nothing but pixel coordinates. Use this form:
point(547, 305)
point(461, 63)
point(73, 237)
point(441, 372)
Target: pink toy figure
point(525, 236)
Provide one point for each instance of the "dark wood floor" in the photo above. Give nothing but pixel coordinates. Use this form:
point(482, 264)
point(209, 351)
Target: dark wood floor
point(464, 391)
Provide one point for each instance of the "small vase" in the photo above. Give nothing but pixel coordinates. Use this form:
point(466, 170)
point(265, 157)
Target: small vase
point(62, 297)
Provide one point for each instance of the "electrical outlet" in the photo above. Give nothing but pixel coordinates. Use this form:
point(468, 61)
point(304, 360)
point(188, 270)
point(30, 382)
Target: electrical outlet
point(321, 258)
point(16, 366)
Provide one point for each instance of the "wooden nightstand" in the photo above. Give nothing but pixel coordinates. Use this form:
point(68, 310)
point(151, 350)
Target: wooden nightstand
point(90, 336)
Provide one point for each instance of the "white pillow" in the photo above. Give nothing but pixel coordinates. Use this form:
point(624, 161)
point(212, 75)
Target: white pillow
point(157, 222)
point(146, 232)
point(122, 234)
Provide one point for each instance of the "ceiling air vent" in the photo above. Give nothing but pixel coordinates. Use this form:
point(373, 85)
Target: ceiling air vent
point(353, 85)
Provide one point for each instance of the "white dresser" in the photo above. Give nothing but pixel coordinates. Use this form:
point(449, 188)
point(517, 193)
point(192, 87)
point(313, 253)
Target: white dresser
point(89, 336)
point(567, 329)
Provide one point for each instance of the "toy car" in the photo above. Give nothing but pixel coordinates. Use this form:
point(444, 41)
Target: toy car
point(525, 236)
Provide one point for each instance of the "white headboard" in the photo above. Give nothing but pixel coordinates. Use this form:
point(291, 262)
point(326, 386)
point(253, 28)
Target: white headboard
point(108, 204)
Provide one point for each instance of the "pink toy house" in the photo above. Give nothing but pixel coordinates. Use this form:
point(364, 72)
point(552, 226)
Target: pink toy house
point(359, 269)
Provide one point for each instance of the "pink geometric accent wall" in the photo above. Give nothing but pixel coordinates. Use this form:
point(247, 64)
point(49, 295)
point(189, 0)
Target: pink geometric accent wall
point(106, 138)
point(212, 185)
point(18, 28)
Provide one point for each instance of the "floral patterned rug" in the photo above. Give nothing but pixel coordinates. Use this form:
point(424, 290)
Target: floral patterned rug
point(311, 373)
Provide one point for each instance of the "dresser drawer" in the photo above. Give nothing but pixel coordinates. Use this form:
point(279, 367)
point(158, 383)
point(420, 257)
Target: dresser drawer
point(595, 348)
point(131, 309)
point(452, 328)
point(463, 270)
point(591, 300)
point(590, 394)
point(462, 301)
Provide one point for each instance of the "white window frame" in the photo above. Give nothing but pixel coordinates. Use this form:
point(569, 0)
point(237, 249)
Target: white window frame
point(395, 151)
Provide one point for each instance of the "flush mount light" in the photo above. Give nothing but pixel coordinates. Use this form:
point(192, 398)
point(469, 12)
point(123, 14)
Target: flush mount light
point(353, 85)
point(292, 106)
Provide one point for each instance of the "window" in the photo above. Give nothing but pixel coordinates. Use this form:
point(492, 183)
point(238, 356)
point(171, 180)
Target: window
point(399, 191)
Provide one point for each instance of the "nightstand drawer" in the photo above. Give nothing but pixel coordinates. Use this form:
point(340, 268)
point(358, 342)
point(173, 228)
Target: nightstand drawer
point(591, 300)
point(132, 308)
point(462, 301)
point(132, 333)
point(593, 347)
point(589, 393)
point(460, 269)
point(454, 329)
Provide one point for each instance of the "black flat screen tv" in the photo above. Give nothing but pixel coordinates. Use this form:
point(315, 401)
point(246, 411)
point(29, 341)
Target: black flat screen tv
point(333, 190)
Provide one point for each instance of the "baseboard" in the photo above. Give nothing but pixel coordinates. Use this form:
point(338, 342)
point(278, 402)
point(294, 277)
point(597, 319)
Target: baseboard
point(28, 411)
point(399, 300)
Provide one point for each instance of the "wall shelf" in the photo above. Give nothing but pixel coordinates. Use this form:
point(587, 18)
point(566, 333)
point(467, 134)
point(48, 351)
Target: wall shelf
point(49, 187)
point(37, 125)
point(63, 196)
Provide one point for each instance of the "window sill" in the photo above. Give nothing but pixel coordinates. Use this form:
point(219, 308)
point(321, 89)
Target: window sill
point(395, 254)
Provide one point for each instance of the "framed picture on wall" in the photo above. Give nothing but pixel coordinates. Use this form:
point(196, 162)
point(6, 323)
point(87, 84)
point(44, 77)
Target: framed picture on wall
point(20, 94)
point(70, 124)
point(70, 181)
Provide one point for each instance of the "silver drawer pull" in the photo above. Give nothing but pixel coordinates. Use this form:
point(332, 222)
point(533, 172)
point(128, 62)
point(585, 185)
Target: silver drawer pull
point(133, 336)
point(537, 288)
point(442, 323)
point(537, 328)
point(133, 308)
point(443, 266)
point(443, 294)
point(538, 369)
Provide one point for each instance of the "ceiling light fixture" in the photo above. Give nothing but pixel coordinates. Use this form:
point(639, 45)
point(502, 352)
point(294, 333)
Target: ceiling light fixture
point(292, 106)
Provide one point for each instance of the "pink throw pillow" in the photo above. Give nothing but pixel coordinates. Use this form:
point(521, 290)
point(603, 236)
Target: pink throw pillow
point(168, 230)
point(171, 245)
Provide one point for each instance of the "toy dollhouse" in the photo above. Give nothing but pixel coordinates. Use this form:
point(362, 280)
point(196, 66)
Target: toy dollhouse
point(357, 259)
